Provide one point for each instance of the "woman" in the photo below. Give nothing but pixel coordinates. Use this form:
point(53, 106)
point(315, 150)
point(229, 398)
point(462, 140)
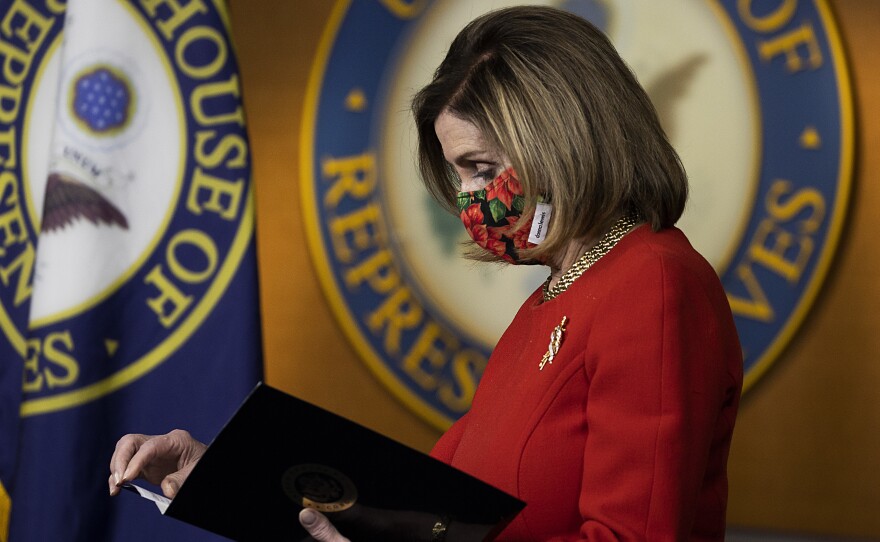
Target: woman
point(609, 403)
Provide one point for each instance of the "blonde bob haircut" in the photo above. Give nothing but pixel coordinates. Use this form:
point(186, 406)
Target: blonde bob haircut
point(550, 92)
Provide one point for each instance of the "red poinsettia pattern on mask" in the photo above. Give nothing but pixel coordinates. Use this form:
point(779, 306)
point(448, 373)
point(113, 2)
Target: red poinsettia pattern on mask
point(491, 216)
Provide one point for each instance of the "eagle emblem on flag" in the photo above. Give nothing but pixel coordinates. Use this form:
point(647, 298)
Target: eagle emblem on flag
point(68, 199)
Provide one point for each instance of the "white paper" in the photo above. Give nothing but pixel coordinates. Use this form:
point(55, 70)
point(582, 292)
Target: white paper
point(161, 501)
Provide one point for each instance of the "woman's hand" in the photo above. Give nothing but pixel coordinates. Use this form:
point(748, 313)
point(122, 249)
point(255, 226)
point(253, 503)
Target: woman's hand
point(164, 460)
point(319, 527)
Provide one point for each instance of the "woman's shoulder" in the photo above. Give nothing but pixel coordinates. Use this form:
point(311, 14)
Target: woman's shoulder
point(643, 263)
point(645, 260)
point(669, 250)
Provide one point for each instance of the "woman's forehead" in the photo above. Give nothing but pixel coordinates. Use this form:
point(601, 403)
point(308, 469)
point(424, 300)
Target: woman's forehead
point(460, 138)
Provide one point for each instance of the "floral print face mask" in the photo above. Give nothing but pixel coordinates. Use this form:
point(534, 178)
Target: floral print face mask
point(491, 214)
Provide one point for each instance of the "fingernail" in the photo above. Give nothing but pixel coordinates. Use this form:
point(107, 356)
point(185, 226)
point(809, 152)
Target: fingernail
point(116, 477)
point(125, 476)
point(308, 516)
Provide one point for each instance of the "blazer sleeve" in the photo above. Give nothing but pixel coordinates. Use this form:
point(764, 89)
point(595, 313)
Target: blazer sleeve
point(445, 447)
point(660, 407)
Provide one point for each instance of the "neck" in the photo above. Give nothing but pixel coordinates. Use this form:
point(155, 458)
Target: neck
point(578, 248)
point(570, 254)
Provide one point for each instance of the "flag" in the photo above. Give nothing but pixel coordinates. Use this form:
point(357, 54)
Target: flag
point(26, 34)
point(136, 266)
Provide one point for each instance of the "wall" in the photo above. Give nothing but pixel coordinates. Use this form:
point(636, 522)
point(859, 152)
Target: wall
point(808, 437)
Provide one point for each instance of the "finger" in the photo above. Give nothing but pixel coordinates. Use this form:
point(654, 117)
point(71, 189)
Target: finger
point(171, 483)
point(114, 489)
point(319, 527)
point(126, 448)
point(151, 451)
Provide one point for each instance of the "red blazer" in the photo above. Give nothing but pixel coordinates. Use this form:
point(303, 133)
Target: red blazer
point(625, 436)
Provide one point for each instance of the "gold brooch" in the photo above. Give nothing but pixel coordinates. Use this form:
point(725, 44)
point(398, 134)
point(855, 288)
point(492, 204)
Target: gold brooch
point(555, 342)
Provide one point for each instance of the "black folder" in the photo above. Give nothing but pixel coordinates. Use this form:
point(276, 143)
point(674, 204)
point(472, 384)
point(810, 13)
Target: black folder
point(279, 453)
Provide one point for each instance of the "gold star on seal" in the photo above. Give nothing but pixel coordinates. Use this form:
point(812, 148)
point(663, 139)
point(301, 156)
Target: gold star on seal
point(356, 100)
point(810, 138)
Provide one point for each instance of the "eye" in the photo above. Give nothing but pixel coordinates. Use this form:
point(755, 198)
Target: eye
point(485, 171)
point(486, 174)
point(475, 173)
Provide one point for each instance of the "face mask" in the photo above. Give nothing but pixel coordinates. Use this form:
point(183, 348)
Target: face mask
point(492, 215)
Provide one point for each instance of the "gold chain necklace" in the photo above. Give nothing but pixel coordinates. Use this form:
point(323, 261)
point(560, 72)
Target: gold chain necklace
point(615, 234)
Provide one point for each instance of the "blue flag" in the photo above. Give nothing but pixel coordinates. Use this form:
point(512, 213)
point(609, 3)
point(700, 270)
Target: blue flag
point(128, 268)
